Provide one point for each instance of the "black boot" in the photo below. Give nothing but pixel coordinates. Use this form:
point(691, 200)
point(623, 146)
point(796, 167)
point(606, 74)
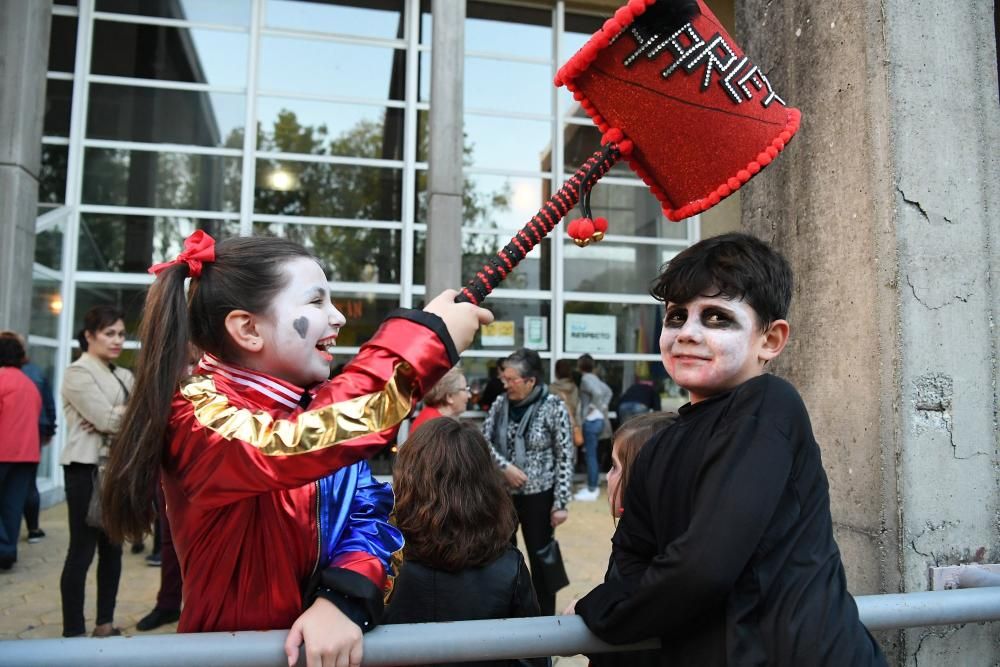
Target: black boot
point(156, 618)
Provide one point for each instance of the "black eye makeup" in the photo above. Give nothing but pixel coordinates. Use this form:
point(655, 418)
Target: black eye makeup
point(675, 318)
point(718, 318)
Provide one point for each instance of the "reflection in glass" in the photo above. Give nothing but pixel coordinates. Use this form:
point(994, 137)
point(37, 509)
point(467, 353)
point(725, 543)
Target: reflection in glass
point(48, 248)
point(52, 177)
point(223, 12)
point(423, 118)
point(532, 273)
point(313, 67)
point(328, 190)
point(161, 180)
point(634, 211)
point(513, 310)
point(62, 44)
point(424, 77)
point(517, 31)
point(170, 54)
point(133, 243)
point(376, 18)
point(625, 268)
point(156, 115)
point(499, 85)
point(364, 314)
point(46, 305)
point(128, 298)
point(637, 326)
point(507, 143)
point(58, 100)
point(502, 202)
point(582, 141)
point(346, 254)
point(326, 128)
point(426, 22)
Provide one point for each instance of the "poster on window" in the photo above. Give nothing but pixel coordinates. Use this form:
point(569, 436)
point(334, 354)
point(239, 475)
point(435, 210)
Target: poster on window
point(497, 334)
point(536, 332)
point(594, 334)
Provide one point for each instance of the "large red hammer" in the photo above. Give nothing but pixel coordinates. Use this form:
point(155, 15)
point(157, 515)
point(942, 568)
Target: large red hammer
point(674, 96)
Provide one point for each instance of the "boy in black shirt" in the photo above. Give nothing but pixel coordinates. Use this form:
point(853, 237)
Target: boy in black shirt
point(725, 548)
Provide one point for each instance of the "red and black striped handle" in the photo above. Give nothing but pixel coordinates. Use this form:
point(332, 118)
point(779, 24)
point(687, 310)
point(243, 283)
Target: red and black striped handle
point(543, 222)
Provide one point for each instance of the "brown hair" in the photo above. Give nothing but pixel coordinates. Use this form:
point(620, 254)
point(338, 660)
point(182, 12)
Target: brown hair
point(246, 275)
point(451, 502)
point(451, 382)
point(96, 319)
point(630, 438)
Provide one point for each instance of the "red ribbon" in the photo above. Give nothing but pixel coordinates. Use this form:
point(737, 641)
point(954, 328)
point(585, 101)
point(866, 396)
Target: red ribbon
point(198, 248)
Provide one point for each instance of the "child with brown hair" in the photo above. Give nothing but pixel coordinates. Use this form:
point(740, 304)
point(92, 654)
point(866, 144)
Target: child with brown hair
point(454, 510)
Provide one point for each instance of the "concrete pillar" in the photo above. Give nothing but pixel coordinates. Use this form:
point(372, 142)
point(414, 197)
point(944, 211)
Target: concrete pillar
point(444, 176)
point(887, 205)
point(24, 57)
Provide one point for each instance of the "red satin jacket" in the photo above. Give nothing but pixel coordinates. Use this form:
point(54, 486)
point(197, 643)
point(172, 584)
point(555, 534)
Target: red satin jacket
point(265, 495)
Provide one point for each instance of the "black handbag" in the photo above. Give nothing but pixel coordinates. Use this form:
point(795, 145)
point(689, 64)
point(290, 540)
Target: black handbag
point(553, 571)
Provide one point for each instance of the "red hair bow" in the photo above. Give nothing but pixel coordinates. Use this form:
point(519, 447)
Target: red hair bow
point(198, 248)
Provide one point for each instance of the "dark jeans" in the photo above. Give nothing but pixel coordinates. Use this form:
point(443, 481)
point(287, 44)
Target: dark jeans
point(83, 541)
point(533, 513)
point(591, 437)
point(14, 480)
point(33, 503)
point(169, 597)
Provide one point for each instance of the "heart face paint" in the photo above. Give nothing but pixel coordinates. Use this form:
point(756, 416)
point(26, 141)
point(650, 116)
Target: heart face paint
point(711, 344)
point(301, 327)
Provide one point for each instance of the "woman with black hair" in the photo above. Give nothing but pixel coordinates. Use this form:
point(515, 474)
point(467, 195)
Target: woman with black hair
point(94, 392)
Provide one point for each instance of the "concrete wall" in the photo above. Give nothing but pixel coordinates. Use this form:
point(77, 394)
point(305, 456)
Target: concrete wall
point(883, 205)
point(24, 48)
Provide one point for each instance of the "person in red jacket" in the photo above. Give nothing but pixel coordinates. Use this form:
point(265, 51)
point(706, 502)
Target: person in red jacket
point(20, 408)
point(276, 517)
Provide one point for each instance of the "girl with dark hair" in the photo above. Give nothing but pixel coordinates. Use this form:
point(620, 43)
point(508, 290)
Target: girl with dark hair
point(94, 394)
point(457, 517)
point(20, 407)
point(276, 517)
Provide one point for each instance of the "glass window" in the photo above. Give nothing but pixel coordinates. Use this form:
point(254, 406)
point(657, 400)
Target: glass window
point(46, 305)
point(328, 190)
point(326, 128)
point(313, 67)
point(625, 268)
point(58, 101)
point(161, 180)
point(48, 248)
point(502, 202)
point(532, 273)
point(170, 54)
point(620, 375)
point(423, 118)
point(637, 326)
point(364, 314)
point(128, 298)
point(632, 210)
point(128, 113)
point(513, 311)
point(372, 18)
point(504, 85)
point(223, 12)
point(578, 29)
point(517, 31)
point(133, 243)
point(582, 141)
point(426, 22)
point(62, 44)
point(424, 77)
point(508, 143)
point(346, 254)
point(52, 177)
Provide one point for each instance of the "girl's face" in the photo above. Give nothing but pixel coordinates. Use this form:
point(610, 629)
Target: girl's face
point(615, 480)
point(106, 344)
point(299, 330)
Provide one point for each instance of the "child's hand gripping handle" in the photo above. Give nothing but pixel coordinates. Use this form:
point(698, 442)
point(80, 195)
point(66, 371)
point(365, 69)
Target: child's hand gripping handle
point(543, 222)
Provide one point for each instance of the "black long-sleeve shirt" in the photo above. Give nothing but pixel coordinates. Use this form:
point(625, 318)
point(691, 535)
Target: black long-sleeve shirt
point(726, 545)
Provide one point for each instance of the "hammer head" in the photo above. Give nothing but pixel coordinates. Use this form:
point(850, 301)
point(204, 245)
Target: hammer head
point(701, 116)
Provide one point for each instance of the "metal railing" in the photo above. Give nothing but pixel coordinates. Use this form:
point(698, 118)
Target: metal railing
point(449, 642)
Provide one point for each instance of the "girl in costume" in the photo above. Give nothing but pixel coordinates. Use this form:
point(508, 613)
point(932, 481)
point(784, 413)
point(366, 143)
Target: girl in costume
point(276, 517)
point(454, 510)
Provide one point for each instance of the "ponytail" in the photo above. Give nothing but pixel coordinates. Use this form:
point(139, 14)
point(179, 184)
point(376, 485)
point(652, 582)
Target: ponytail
point(130, 478)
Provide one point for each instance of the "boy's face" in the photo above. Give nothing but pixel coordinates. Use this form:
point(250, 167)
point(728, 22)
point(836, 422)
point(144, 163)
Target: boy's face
point(711, 344)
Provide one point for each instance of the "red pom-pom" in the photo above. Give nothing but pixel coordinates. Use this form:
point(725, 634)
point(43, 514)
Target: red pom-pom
point(772, 151)
point(578, 95)
point(601, 224)
point(572, 227)
point(714, 198)
point(638, 7)
point(601, 40)
point(723, 191)
point(611, 27)
point(558, 81)
point(624, 15)
point(778, 143)
point(584, 228)
point(612, 136)
point(764, 159)
point(743, 175)
point(754, 167)
point(786, 136)
point(625, 147)
point(733, 183)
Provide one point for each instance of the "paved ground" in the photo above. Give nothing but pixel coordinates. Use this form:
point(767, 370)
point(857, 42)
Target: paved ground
point(29, 593)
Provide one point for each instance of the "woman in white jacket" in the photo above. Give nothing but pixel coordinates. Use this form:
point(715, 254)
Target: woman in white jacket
point(94, 392)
